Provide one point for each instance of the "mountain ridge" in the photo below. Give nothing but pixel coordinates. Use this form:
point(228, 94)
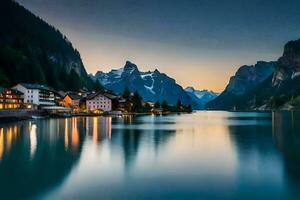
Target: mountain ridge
point(279, 90)
point(37, 51)
point(152, 85)
point(201, 96)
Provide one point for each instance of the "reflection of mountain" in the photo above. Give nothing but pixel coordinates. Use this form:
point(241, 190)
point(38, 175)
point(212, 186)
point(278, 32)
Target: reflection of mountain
point(134, 132)
point(286, 136)
point(258, 150)
point(252, 139)
point(259, 166)
point(34, 157)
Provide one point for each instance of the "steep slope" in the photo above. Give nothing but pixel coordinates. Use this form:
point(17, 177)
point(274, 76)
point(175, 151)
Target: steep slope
point(33, 51)
point(201, 96)
point(288, 65)
point(152, 86)
point(245, 80)
point(281, 90)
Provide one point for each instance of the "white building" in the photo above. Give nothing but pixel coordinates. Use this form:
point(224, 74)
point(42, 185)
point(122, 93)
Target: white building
point(98, 101)
point(35, 94)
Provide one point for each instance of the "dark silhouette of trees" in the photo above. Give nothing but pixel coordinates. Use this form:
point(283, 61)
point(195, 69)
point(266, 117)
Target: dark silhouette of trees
point(179, 105)
point(33, 51)
point(157, 104)
point(164, 105)
point(126, 94)
point(137, 102)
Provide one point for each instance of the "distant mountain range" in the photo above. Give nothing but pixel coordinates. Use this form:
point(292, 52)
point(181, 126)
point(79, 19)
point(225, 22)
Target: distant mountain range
point(35, 52)
point(201, 96)
point(152, 85)
point(264, 86)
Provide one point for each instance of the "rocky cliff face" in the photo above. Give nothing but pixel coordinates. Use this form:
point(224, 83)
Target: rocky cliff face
point(288, 66)
point(35, 52)
point(280, 90)
point(248, 76)
point(71, 61)
point(245, 79)
point(152, 85)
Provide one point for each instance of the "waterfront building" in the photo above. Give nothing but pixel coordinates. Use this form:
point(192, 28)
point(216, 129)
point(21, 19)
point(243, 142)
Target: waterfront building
point(36, 94)
point(99, 102)
point(71, 100)
point(10, 99)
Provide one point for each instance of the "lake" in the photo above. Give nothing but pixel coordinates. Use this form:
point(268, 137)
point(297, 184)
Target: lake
point(204, 155)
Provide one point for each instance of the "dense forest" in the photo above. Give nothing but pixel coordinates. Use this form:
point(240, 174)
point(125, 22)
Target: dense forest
point(136, 104)
point(32, 51)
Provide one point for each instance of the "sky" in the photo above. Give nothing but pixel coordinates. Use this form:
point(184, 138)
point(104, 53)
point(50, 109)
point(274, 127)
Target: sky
point(200, 43)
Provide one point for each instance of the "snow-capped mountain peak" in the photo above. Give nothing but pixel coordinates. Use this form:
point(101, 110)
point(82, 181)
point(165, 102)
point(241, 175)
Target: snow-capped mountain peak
point(152, 85)
point(201, 96)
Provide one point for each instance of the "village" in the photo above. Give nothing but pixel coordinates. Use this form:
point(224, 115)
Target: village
point(36, 100)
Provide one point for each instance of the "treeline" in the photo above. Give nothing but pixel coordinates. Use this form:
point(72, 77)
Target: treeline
point(33, 51)
point(179, 107)
point(135, 104)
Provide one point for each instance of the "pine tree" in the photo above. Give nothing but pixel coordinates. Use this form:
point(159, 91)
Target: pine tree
point(98, 86)
point(189, 108)
point(178, 105)
point(73, 82)
point(157, 104)
point(126, 94)
point(137, 102)
point(164, 105)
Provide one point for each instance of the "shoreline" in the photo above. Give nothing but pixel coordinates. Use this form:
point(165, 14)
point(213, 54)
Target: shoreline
point(20, 115)
point(26, 115)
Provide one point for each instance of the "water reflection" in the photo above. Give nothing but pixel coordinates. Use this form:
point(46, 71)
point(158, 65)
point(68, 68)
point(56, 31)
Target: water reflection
point(286, 136)
point(34, 157)
point(204, 155)
point(98, 128)
point(33, 139)
point(130, 133)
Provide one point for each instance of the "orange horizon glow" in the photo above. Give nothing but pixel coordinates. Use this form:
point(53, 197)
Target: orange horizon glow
point(189, 67)
point(198, 49)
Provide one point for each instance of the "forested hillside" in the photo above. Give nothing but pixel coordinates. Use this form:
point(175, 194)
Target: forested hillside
point(33, 51)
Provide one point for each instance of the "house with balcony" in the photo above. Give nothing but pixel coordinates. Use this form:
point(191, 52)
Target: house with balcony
point(36, 94)
point(10, 99)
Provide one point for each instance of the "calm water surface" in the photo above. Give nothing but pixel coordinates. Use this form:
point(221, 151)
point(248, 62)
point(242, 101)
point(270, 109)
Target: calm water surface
point(205, 155)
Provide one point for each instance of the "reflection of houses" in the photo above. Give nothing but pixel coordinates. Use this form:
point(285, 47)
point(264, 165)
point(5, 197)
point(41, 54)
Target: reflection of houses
point(10, 99)
point(36, 146)
point(35, 94)
point(98, 101)
point(99, 128)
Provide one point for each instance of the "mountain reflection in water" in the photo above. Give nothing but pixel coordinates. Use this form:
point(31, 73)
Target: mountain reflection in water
point(201, 155)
